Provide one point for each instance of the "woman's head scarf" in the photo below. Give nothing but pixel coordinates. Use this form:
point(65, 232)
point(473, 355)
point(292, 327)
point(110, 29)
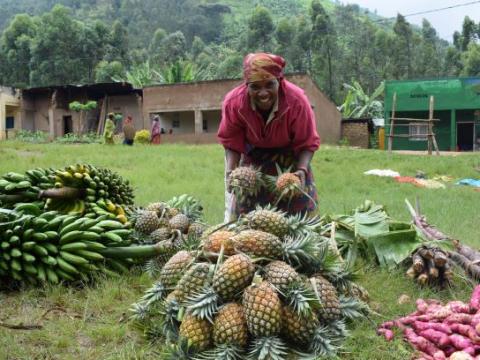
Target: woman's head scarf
point(262, 66)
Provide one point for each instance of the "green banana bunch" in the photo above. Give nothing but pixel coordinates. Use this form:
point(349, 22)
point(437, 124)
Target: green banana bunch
point(37, 247)
point(15, 187)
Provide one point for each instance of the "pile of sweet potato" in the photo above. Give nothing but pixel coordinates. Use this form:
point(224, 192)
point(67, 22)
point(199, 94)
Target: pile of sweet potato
point(441, 332)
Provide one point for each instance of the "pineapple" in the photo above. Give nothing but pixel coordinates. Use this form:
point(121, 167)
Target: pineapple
point(258, 243)
point(197, 332)
point(192, 281)
point(327, 294)
point(160, 234)
point(263, 309)
point(245, 182)
point(158, 207)
point(287, 182)
point(196, 229)
point(173, 270)
point(230, 326)
point(296, 328)
point(214, 242)
point(147, 222)
point(179, 222)
point(273, 222)
point(280, 274)
point(234, 275)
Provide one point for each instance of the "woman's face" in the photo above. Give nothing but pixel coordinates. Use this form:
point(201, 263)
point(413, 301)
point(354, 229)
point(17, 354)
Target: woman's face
point(264, 93)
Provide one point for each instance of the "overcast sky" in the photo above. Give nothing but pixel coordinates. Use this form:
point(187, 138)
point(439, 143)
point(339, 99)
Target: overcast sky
point(445, 21)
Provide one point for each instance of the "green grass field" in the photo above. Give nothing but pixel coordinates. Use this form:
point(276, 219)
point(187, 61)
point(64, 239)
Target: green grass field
point(89, 322)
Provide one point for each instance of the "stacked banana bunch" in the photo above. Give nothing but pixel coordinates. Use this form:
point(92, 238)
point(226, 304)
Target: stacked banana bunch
point(15, 187)
point(268, 287)
point(50, 247)
point(84, 188)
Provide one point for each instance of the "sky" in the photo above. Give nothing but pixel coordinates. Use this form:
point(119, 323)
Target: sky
point(445, 21)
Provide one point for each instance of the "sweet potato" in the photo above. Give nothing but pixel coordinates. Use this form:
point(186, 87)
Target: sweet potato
point(421, 326)
point(386, 333)
point(459, 318)
point(461, 342)
point(422, 306)
point(422, 344)
point(459, 307)
point(436, 337)
point(461, 355)
point(475, 299)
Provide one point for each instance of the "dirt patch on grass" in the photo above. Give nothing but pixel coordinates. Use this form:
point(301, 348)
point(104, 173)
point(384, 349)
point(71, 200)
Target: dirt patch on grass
point(27, 153)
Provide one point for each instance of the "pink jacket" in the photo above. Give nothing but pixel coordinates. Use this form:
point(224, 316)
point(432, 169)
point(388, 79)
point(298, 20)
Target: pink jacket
point(293, 125)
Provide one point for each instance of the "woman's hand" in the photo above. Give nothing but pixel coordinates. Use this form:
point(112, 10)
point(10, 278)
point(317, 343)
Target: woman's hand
point(301, 174)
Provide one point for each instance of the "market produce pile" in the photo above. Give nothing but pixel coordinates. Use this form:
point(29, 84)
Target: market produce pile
point(269, 286)
point(437, 331)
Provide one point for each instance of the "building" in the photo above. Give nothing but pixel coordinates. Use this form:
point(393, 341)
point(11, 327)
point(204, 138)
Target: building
point(456, 106)
point(9, 111)
point(47, 108)
point(192, 111)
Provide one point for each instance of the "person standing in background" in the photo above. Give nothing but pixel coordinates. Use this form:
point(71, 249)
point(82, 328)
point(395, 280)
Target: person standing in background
point(128, 131)
point(155, 131)
point(109, 129)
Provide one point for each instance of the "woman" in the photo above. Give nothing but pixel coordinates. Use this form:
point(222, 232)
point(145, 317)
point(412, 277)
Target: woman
point(128, 131)
point(155, 131)
point(109, 129)
point(268, 120)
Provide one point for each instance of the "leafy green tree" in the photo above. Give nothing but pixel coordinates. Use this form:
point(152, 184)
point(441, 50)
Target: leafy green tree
point(469, 33)
point(173, 48)
point(155, 47)
point(108, 71)
point(471, 60)
point(302, 46)
point(15, 46)
point(403, 57)
point(453, 63)
point(56, 50)
point(260, 29)
point(118, 46)
point(285, 34)
point(429, 62)
point(197, 47)
point(82, 109)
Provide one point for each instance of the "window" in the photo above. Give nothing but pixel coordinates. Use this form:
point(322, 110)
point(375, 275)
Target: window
point(176, 123)
point(418, 132)
point(10, 122)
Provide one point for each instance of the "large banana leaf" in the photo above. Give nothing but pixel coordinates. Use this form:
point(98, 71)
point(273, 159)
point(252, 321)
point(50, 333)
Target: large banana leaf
point(392, 248)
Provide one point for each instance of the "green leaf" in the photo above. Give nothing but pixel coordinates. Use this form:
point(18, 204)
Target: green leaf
point(392, 248)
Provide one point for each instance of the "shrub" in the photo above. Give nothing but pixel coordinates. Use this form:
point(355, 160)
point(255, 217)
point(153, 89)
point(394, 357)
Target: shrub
point(31, 136)
point(142, 137)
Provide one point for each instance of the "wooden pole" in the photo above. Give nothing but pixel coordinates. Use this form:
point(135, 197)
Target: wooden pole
point(392, 123)
point(430, 125)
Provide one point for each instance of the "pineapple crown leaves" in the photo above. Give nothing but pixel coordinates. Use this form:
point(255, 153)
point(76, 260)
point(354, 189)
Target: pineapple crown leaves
point(182, 350)
point(301, 299)
point(302, 250)
point(156, 293)
point(339, 329)
point(140, 311)
point(268, 348)
point(301, 224)
point(152, 267)
point(203, 304)
point(353, 309)
point(324, 343)
point(188, 205)
point(222, 352)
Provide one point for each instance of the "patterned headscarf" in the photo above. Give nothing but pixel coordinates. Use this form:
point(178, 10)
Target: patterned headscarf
point(262, 66)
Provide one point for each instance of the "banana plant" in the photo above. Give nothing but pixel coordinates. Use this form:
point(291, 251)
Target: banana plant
point(358, 104)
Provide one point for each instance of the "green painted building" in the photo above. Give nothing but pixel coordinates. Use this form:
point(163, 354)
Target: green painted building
point(457, 106)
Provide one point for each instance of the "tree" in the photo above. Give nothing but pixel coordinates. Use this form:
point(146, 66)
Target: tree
point(15, 46)
point(429, 63)
point(469, 33)
point(108, 71)
point(260, 29)
point(403, 58)
point(285, 34)
point(155, 47)
point(118, 49)
point(453, 63)
point(173, 48)
point(57, 57)
point(302, 46)
point(82, 109)
point(471, 60)
point(197, 47)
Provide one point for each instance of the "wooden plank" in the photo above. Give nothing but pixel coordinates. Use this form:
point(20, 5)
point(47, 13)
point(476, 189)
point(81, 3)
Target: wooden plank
point(103, 115)
point(392, 123)
point(414, 119)
point(430, 125)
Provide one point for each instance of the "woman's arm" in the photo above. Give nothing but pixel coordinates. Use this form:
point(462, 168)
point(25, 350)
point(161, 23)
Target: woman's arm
point(304, 158)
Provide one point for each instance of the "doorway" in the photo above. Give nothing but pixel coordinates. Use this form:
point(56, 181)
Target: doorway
point(465, 136)
point(67, 125)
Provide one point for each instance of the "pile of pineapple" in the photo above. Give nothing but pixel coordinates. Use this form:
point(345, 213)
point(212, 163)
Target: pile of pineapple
point(266, 287)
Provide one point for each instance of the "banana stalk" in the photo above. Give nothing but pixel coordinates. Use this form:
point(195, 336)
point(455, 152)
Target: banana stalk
point(63, 193)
